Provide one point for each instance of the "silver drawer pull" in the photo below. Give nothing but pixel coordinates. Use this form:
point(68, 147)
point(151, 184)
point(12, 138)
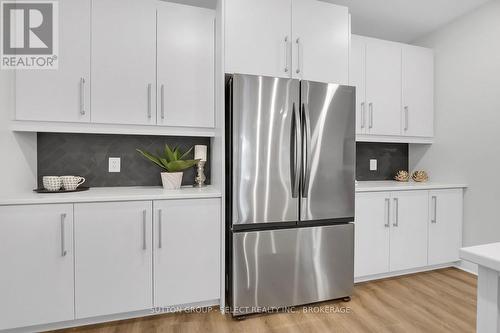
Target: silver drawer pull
point(434, 216)
point(388, 211)
point(63, 235)
point(144, 215)
point(160, 226)
point(396, 213)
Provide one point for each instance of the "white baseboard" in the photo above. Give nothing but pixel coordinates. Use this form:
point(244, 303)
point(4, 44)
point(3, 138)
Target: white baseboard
point(467, 266)
point(400, 273)
point(113, 317)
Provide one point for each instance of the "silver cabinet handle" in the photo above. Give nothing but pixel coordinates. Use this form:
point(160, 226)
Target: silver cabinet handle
point(388, 210)
point(63, 235)
point(370, 123)
point(162, 101)
point(286, 54)
point(396, 213)
point(295, 151)
point(434, 216)
point(406, 117)
point(82, 96)
point(363, 115)
point(297, 41)
point(144, 215)
point(160, 227)
point(149, 100)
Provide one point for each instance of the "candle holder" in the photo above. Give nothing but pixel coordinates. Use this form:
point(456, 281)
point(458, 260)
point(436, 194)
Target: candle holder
point(200, 177)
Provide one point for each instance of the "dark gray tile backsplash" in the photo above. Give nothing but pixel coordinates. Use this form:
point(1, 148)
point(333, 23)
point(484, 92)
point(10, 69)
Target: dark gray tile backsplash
point(390, 157)
point(87, 155)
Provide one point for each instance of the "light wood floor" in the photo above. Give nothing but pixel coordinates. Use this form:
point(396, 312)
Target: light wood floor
point(437, 301)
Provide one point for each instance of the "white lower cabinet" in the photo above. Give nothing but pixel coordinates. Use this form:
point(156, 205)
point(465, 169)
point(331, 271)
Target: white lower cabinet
point(186, 251)
point(402, 230)
point(113, 258)
point(371, 249)
point(36, 260)
point(445, 225)
point(408, 230)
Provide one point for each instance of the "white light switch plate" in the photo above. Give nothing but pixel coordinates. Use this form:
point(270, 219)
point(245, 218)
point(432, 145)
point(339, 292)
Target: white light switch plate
point(114, 164)
point(373, 165)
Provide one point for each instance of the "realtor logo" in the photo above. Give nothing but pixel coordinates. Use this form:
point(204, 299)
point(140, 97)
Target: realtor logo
point(29, 33)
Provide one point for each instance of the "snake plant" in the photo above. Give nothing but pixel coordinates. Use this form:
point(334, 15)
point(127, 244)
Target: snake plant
point(171, 160)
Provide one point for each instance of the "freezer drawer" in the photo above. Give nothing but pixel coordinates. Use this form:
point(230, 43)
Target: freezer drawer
point(278, 268)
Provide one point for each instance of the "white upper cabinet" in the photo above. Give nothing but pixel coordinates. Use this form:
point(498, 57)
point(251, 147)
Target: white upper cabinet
point(445, 225)
point(418, 91)
point(357, 79)
point(185, 65)
point(258, 38)
point(279, 38)
point(186, 251)
point(320, 41)
point(394, 90)
point(123, 61)
point(113, 258)
point(409, 230)
point(383, 87)
point(36, 256)
point(62, 94)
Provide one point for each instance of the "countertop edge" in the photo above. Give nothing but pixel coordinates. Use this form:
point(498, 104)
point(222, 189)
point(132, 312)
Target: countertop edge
point(88, 197)
point(408, 187)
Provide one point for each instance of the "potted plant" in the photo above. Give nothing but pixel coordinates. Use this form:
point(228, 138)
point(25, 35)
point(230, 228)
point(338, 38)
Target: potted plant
point(173, 162)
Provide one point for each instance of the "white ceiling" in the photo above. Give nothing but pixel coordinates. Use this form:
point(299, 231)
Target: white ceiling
point(404, 20)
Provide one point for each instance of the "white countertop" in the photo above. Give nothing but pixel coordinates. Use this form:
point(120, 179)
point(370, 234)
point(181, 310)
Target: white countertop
point(392, 185)
point(487, 255)
point(100, 194)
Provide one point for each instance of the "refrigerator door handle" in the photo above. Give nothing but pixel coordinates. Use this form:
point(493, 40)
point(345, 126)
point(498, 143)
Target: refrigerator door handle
point(295, 151)
point(306, 146)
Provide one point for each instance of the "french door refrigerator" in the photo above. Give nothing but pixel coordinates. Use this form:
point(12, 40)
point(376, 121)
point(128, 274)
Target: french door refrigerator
point(290, 147)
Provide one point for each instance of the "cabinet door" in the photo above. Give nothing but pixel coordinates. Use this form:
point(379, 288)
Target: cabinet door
point(258, 37)
point(124, 61)
point(185, 65)
point(409, 230)
point(62, 94)
point(357, 79)
point(383, 87)
point(113, 261)
point(445, 225)
point(187, 251)
point(36, 256)
point(418, 91)
point(371, 246)
point(320, 41)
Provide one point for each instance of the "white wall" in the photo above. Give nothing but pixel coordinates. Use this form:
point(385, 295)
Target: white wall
point(467, 121)
point(17, 150)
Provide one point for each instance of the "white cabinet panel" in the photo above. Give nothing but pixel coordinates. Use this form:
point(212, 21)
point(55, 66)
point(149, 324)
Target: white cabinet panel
point(383, 87)
point(418, 91)
point(36, 280)
point(185, 65)
point(371, 249)
point(320, 41)
point(445, 225)
point(62, 94)
point(357, 79)
point(257, 37)
point(113, 262)
point(123, 61)
point(186, 251)
point(409, 230)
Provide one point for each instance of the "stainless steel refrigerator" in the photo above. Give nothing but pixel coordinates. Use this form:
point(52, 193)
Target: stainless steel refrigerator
point(290, 147)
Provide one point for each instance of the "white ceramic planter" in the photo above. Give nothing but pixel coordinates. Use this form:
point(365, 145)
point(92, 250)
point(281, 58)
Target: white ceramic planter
point(171, 180)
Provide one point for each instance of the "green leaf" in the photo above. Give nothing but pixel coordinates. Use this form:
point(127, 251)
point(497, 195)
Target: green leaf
point(169, 154)
point(186, 154)
point(152, 158)
point(179, 165)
